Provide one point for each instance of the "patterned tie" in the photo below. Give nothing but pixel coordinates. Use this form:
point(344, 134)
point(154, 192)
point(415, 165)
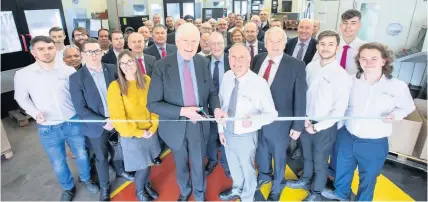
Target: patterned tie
point(300, 53)
point(216, 76)
point(140, 62)
point(252, 53)
point(189, 90)
point(231, 111)
point(344, 55)
point(267, 71)
point(163, 52)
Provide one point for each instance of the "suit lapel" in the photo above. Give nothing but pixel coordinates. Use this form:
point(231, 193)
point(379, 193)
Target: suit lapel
point(156, 52)
point(168, 49)
point(281, 70)
point(90, 86)
point(174, 78)
point(199, 78)
point(258, 66)
point(226, 63)
point(309, 50)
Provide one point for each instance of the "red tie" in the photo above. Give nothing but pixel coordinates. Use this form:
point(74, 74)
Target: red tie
point(140, 61)
point(267, 71)
point(344, 55)
point(163, 52)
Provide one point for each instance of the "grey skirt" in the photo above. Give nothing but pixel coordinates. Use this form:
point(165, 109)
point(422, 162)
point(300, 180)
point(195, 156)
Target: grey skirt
point(138, 153)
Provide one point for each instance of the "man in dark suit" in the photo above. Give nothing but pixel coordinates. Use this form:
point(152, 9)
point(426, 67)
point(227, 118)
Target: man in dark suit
point(261, 34)
point(118, 42)
point(264, 17)
point(303, 47)
point(146, 62)
point(219, 65)
point(286, 77)
point(88, 90)
point(181, 87)
point(170, 39)
point(254, 46)
point(160, 48)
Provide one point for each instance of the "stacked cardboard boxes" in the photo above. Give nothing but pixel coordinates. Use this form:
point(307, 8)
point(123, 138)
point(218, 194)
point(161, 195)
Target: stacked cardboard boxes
point(420, 150)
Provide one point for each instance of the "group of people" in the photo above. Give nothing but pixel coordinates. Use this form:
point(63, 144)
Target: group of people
point(243, 75)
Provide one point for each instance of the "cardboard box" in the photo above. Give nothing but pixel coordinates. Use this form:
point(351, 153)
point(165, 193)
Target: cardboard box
point(405, 134)
point(421, 144)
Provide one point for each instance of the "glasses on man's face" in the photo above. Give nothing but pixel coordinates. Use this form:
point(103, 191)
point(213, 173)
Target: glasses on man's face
point(94, 52)
point(127, 63)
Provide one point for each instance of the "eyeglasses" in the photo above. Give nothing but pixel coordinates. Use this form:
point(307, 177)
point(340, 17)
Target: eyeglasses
point(128, 63)
point(90, 53)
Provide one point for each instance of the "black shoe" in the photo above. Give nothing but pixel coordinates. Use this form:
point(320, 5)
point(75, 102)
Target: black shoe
point(227, 173)
point(105, 194)
point(313, 197)
point(68, 195)
point(126, 176)
point(210, 167)
point(90, 186)
point(274, 196)
point(297, 153)
point(183, 198)
point(299, 184)
point(157, 161)
point(151, 192)
point(143, 196)
point(261, 182)
point(228, 195)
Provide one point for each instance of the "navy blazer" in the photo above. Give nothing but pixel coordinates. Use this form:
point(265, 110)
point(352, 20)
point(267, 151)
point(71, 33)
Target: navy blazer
point(149, 63)
point(226, 68)
point(261, 35)
point(310, 51)
point(288, 92)
point(153, 50)
point(87, 100)
point(261, 47)
point(170, 38)
point(109, 57)
point(265, 28)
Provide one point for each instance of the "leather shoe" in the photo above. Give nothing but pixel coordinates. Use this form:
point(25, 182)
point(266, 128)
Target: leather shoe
point(90, 186)
point(313, 197)
point(261, 182)
point(183, 198)
point(143, 196)
point(228, 195)
point(126, 176)
point(152, 193)
point(299, 184)
point(227, 173)
point(105, 194)
point(157, 161)
point(68, 195)
point(210, 167)
point(273, 196)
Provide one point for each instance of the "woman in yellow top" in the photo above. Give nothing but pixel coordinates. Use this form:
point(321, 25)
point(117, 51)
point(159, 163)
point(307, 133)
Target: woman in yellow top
point(127, 100)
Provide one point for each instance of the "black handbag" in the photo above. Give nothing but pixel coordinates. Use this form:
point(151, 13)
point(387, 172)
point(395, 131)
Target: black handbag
point(114, 142)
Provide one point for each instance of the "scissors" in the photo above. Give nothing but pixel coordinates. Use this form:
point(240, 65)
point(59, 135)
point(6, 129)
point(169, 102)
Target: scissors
point(203, 113)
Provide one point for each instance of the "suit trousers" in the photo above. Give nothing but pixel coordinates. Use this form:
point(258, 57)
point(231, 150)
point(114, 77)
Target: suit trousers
point(368, 155)
point(272, 147)
point(316, 150)
point(214, 145)
point(194, 149)
point(241, 152)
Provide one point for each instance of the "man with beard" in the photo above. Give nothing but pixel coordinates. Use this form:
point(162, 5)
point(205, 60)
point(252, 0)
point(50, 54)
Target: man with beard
point(79, 36)
point(72, 57)
point(58, 35)
point(160, 48)
point(170, 25)
point(327, 96)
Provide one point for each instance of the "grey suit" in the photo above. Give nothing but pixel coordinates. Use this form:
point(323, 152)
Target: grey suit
point(149, 63)
point(153, 50)
point(289, 95)
point(186, 140)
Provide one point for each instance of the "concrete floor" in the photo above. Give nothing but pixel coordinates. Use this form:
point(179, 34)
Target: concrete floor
point(28, 176)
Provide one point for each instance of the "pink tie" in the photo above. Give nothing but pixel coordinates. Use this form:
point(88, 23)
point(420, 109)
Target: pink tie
point(344, 55)
point(140, 62)
point(189, 91)
point(163, 52)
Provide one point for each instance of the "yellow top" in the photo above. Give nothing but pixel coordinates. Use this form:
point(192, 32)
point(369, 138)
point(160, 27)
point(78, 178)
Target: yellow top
point(132, 106)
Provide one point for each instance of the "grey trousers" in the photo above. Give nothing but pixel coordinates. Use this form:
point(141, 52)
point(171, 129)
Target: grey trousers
point(241, 153)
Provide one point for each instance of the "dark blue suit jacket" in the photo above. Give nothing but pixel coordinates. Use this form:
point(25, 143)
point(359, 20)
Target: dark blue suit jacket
point(310, 51)
point(87, 100)
point(153, 50)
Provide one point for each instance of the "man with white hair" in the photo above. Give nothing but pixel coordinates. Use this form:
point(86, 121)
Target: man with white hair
point(286, 77)
point(303, 47)
point(213, 23)
point(182, 89)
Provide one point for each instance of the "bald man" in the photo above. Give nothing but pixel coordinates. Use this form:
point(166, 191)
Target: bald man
point(264, 17)
point(303, 47)
point(261, 34)
point(206, 28)
point(170, 39)
point(205, 48)
point(181, 87)
point(143, 30)
point(316, 28)
point(149, 24)
point(145, 61)
point(254, 46)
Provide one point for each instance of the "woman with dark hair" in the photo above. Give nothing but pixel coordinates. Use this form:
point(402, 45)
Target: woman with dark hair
point(127, 100)
point(237, 36)
point(363, 143)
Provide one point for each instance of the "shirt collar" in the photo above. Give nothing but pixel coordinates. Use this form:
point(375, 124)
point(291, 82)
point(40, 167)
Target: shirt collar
point(180, 58)
point(243, 78)
point(381, 80)
point(221, 59)
point(353, 44)
point(306, 42)
point(92, 72)
point(141, 56)
point(158, 47)
point(277, 59)
point(332, 64)
point(256, 44)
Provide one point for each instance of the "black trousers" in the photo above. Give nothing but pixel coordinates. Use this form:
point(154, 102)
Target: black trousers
point(141, 179)
point(214, 145)
point(101, 148)
point(193, 149)
point(316, 150)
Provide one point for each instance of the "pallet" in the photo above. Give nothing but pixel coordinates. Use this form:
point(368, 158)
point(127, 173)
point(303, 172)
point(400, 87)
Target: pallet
point(8, 154)
point(20, 117)
point(411, 161)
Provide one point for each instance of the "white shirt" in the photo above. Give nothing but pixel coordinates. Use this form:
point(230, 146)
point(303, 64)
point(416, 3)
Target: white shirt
point(328, 92)
point(38, 90)
point(59, 57)
point(384, 97)
point(273, 69)
point(259, 106)
point(255, 47)
point(351, 67)
point(297, 47)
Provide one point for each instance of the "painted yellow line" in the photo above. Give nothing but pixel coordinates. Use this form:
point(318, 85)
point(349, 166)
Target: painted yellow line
point(124, 185)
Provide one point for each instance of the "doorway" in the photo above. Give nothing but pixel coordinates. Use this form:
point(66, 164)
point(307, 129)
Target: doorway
point(179, 8)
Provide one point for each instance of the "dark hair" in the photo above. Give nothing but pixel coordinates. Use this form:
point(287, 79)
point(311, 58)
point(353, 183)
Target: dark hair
point(80, 29)
point(55, 29)
point(239, 16)
point(102, 29)
point(329, 33)
point(116, 31)
point(41, 38)
point(385, 53)
point(159, 26)
point(350, 14)
point(275, 20)
point(121, 80)
point(90, 40)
